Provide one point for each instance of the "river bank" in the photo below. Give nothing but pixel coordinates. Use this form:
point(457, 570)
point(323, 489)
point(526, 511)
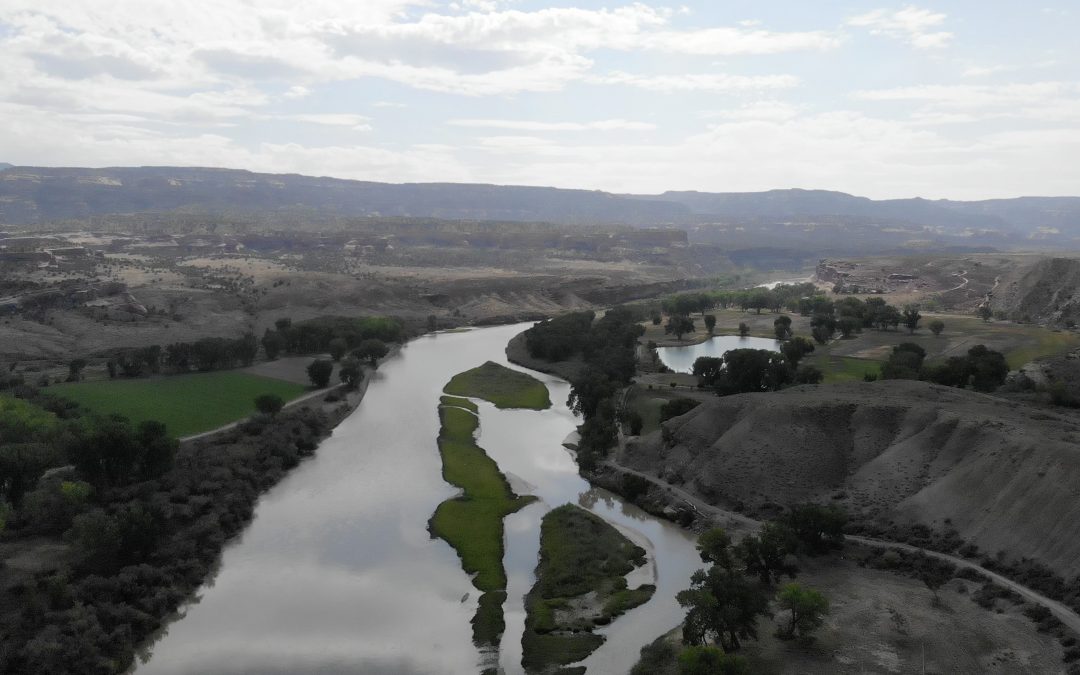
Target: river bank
point(182, 521)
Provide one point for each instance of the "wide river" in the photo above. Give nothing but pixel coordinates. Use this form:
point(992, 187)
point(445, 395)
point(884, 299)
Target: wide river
point(337, 572)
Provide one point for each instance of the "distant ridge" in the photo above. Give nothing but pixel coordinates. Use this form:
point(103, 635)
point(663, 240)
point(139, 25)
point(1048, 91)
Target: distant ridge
point(34, 195)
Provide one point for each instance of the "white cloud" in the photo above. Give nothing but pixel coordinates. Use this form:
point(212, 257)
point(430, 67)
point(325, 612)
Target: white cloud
point(737, 41)
point(698, 82)
point(918, 27)
point(757, 110)
point(984, 71)
point(976, 96)
point(530, 125)
point(354, 122)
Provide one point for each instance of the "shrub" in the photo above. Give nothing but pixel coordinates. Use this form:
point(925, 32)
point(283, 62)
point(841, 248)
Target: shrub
point(269, 404)
point(319, 372)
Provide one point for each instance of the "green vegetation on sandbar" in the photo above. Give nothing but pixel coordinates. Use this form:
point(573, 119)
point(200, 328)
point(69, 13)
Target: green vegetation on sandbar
point(502, 386)
point(185, 404)
point(472, 523)
point(579, 554)
point(457, 401)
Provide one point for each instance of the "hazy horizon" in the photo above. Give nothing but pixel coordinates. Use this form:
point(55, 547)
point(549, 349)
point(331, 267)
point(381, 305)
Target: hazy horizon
point(557, 187)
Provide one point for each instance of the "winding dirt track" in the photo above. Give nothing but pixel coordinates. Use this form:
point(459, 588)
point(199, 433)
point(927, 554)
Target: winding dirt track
point(1063, 613)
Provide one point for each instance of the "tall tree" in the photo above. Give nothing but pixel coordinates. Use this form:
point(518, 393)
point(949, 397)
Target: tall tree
point(911, 317)
point(710, 323)
point(679, 325)
point(319, 372)
point(782, 327)
point(807, 608)
point(722, 606)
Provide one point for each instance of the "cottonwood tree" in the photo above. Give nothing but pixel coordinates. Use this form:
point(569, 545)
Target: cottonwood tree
point(350, 372)
point(911, 317)
point(767, 554)
point(679, 325)
point(782, 327)
point(337, 348)
point(714, 546)
point(723, 606)
point(795, 349)
point(319, 372)
point(936, 326)
point(807, 608)
point(710, 323)
point(371, 350)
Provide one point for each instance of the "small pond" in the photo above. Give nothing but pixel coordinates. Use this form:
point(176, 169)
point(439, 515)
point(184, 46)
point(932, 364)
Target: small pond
point(681, 359)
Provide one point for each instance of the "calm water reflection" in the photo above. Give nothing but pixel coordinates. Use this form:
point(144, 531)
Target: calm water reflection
point(338, 574)
point(681, 359)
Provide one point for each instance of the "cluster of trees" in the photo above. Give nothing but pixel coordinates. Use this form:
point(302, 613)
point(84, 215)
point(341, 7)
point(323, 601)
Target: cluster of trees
point(740, 371)
point(982, 368)
point(782, 296)
point(334, 334)
point(106, 453)
point(350, 369)
point(852, 315)
point(608, 348)
point(848, 315)
point(180, 357)
point(365, 337)
point(145, 525)
point(725, 601)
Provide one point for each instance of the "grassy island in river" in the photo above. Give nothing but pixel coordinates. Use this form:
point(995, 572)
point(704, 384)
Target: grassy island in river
point(502, 386)
point(580, 584)
point(472, 523)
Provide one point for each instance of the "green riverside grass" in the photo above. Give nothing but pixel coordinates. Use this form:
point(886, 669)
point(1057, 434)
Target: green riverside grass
point(185, 404)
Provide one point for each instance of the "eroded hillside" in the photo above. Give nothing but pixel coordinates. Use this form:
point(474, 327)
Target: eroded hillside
point(1004, 476)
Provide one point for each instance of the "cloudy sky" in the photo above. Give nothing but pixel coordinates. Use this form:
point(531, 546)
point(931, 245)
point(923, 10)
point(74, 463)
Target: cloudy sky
point(960, 98)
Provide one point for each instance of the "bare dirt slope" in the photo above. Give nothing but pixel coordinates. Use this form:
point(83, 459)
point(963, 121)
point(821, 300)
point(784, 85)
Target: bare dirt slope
point(1002, 474)
point(884, 623)
point(1043, 292)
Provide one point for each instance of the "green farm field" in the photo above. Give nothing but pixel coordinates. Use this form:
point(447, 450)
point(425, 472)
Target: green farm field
point(186, 404)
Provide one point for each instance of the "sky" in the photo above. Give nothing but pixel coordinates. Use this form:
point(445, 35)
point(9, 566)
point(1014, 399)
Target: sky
point(964, 99)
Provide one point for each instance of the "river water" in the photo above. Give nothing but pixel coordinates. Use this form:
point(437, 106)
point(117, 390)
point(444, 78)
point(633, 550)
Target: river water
point(338, 574)
point(681, 359)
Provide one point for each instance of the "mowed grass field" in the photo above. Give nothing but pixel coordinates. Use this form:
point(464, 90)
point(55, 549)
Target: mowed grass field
point(842, 368)
point(186, 404)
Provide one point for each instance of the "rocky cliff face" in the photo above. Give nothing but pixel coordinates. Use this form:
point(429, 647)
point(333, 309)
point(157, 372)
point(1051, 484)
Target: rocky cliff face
point(1004, 476)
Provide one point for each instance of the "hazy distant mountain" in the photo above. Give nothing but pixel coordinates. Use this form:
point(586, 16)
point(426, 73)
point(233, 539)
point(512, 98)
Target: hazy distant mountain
point(35, 195)
point(30, 195)
point(5, 165)
point(1020, 215)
